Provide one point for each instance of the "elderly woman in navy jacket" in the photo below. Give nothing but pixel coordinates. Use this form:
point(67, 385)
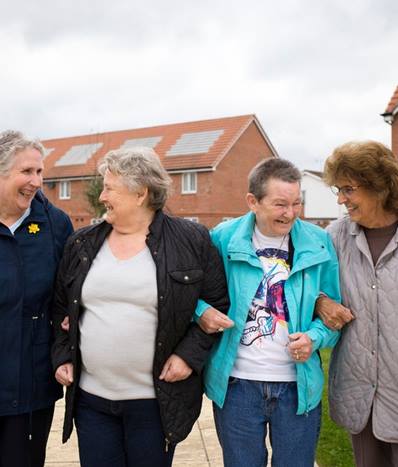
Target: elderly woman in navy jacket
point(32, 237)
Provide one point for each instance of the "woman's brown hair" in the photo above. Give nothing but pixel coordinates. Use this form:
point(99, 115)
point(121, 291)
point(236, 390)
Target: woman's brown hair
point(369, 164)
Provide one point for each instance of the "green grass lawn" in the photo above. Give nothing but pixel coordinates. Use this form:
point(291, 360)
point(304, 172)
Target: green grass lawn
point(334, 447)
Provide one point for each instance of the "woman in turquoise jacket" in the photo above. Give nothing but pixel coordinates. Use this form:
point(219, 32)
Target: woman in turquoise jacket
point(265, 371)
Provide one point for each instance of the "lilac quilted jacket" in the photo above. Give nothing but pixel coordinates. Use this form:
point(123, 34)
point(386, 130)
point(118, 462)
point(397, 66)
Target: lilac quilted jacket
point(364, 366)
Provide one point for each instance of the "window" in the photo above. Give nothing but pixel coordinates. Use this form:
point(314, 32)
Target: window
point(96, 220)
point(189, 182)
point(64, 190)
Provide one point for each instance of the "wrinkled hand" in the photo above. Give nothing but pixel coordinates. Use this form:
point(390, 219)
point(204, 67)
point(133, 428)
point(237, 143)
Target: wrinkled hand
point(213, 321)
point(175, 369)
point(333, 314)
point(65, 324)
point(64, 374)
point(300, 346)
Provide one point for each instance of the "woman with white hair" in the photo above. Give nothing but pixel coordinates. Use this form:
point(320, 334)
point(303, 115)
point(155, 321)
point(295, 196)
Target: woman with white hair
point(132, 358)
point(32, 237)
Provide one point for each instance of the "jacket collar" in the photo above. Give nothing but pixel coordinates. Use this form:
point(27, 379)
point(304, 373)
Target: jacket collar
point(37, 214)
point(93, 237)
point(357, 231)
point(96, 234)
point(155, 228)
point(241, 240)
point(309, 248)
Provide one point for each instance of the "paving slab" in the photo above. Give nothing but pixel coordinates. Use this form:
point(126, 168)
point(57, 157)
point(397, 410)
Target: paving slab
point(200, 449)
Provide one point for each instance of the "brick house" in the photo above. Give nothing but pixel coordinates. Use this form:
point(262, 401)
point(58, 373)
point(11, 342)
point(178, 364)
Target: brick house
point(390, 116)
point(208, 161)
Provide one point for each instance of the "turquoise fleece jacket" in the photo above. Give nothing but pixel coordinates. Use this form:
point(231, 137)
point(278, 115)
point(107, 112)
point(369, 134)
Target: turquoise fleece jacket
point(315, 270)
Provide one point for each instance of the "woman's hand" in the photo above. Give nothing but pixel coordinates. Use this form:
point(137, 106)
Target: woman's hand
point(65, 324)
point(175, 369)
point(333, 314)
point(213, 321)
point(64, 374)
point(300, 346)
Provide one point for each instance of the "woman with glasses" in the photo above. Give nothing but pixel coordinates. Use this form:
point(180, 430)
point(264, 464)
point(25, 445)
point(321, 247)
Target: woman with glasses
point(363, 385)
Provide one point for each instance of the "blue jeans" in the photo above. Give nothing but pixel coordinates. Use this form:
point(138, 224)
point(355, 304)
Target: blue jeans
point(251, 406)
point(120, 433)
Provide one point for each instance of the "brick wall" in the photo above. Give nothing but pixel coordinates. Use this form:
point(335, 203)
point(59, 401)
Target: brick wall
point(394, 136)
point(77, 207)
point(221, 193)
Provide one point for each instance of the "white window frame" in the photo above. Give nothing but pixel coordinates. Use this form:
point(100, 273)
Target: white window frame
point(189, 183)
point(96, 220)
point(64, 189)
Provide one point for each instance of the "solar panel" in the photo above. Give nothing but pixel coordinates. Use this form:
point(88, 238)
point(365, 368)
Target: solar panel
point(194, 143)
point(78, 155)
point(148, 142)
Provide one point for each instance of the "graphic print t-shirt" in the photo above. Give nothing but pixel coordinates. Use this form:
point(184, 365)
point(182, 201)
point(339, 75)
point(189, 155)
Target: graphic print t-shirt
point(262, 353)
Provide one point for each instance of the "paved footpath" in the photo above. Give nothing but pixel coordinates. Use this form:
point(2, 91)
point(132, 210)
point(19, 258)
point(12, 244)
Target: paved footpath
point(200, 449)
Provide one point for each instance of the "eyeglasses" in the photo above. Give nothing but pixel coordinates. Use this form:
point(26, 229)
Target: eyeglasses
point(346, 190)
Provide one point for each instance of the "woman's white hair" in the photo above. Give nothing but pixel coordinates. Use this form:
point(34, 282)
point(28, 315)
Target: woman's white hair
point(139, 167)
point(11, 143)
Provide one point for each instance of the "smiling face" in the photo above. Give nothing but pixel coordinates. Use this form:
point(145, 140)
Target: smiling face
point(278, 209)
point(19, 186)
point(122, 205)
point(363, 206)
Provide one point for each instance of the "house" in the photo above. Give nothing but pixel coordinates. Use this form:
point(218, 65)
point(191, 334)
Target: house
point(390, 116)
point(208, 160)
point(319, 203)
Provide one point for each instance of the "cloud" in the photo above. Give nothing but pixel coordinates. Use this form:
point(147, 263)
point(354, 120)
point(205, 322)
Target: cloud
point(315, 73)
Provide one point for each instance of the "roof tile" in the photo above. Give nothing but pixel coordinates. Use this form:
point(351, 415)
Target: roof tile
point(167, 136)
point(393, 102)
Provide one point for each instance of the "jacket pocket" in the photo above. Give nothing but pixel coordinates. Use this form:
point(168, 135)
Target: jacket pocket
point(190, 276)
point(183, 293)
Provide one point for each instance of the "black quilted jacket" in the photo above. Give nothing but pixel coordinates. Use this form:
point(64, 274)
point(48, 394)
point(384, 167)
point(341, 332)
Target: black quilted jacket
point(188, 267)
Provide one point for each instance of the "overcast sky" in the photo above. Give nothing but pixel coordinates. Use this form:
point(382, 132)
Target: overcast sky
point(317, 73)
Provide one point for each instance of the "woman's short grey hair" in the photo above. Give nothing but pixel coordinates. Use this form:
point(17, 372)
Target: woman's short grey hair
point(139, 167)
point(280, 169)
point(11, 143)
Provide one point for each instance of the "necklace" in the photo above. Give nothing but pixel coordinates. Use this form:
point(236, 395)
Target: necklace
point(259, 241)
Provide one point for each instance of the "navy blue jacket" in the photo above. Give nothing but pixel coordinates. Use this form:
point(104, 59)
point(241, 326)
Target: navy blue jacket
point(28, 264)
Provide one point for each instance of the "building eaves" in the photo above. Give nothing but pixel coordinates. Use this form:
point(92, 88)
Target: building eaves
point(392, 108)
point(315, 173)
point(251, 118)
point(164, 137)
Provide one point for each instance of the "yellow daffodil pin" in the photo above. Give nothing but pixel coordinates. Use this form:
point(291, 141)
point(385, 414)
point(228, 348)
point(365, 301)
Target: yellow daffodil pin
point(33, 228)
